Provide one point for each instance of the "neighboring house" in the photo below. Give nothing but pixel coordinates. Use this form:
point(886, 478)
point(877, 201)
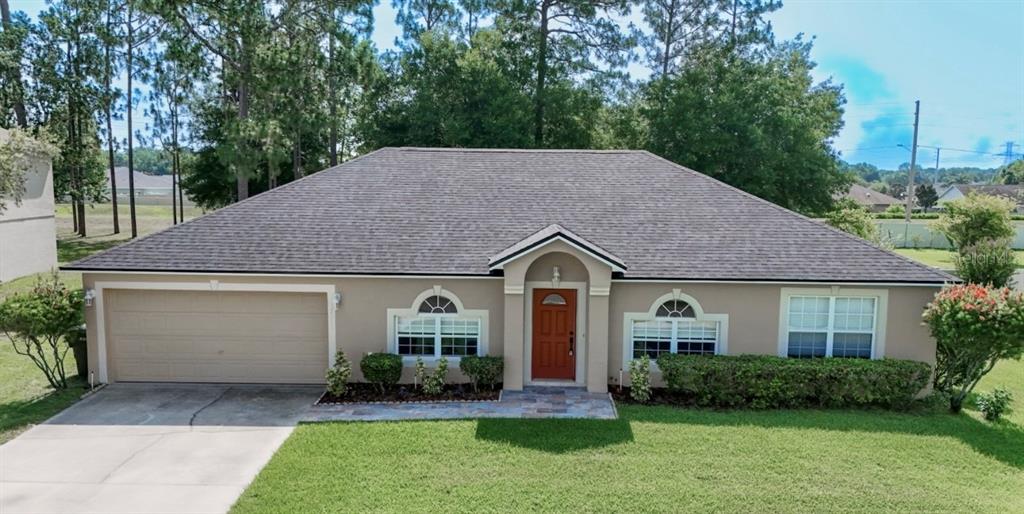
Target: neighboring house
point(870, 199)
point(1012, 192)
point(568, 263)
point(28, 234)
point(145, 184)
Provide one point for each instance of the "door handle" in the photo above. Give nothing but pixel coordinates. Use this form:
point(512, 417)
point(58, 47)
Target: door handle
point(572, 343)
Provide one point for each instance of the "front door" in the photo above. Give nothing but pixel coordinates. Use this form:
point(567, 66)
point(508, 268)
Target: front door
point(554, 334)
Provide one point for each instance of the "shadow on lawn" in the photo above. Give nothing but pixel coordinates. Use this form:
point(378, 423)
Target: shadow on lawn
point(18, 413)
point(555, 435)
point(72, 249)
point(1003, 441)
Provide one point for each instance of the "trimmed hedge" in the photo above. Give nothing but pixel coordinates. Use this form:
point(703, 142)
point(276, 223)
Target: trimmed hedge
point(383, 369)
point(483, 371)
point(767, 382)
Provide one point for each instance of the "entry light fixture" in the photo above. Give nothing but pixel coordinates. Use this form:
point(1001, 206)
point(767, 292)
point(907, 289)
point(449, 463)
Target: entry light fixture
point(556, 276)
point(337, 298)
point(90, 295)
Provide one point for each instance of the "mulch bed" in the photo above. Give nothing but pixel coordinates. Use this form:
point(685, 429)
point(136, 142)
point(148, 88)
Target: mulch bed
point(659, 396)
point(407, 393)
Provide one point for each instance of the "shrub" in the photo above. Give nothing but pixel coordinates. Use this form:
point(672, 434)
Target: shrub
point(990, 262)
point(38, 323)
point(482, 371)
point(994, 404)
point(420, 373)
point(853, 219)
point(433, 383)
point(383, 369)
point(338, 375)
point(767, 382)
point(640, 379)
point(974, 327)
point(975, 218)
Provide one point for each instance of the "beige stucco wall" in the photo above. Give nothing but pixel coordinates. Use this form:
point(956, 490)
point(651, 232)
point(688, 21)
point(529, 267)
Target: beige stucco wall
point(753, 311)
point(28, 234)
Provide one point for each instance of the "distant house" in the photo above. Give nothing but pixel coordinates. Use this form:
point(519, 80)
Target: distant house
point(870, 199)
point(28, 234)
point(1012, 192)
point(145, 184)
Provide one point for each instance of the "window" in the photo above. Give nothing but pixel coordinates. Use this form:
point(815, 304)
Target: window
point(674, 329)
point(831, 326)
point(436, 328)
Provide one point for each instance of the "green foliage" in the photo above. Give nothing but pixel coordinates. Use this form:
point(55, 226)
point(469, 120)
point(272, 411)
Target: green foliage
point(640, 379)
point(975, 218)
point(768, 382)
point(17, 151)
point(1012, 173)
point(854, 219)
point(895, 211)
point(383, 369)
point(995, 403)
point(758, 123)
point(926, 196)
point(433, 383)
point(483, 371)
point(974, 328)
point(338, 375)
point(38, 324)
point(990, 263)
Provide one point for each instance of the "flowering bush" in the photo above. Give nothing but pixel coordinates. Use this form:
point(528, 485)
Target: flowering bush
point(974, 327)
point(640, 379)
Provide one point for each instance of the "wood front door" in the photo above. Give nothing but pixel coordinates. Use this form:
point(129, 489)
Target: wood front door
point(554, 334)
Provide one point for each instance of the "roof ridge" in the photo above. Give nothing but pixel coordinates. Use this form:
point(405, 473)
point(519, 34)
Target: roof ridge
point(283, 187)
point(511, 150)
point(826, 226)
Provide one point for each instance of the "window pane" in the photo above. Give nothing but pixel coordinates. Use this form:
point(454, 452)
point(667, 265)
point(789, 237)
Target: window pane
point(652, 338)
point(415, 345)
point(675, 309)
point(416, 336)
point(459, 346)
point(852, 345)
point(696, 337)
point(808, 313)
point(553, 299)
point(807, 344)
point(437, 305)
point(855, 314)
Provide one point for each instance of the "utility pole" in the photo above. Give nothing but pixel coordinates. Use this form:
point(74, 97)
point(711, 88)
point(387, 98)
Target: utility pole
point(1008, 155)
point(913, 160)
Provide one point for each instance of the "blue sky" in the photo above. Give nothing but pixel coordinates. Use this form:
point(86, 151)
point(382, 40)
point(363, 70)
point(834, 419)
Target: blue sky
point(964, 60)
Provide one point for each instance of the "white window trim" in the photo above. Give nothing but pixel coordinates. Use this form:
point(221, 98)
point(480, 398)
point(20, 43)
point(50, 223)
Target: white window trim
point(721, 348)
point(881, 297)
point(393, 315)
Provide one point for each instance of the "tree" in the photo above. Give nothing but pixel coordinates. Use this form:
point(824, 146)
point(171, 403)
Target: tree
point(974, 328)
point(974, 218)
point(39, 322)
point(111, 40)
point(1012, 173)
point(419, 16)
point(567, 39)
point(760, 124)
point(854, 219)
point(677, 28)
point(13, 38)
point(989, 262)
point(17, 149)
point(926, 196)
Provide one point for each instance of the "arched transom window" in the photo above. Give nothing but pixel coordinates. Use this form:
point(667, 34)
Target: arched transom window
point(674, 328)
point(436, 327)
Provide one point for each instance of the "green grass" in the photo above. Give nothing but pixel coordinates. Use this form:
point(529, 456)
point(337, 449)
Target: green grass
point(942, 258)
point(25, 396)
point(653, 459)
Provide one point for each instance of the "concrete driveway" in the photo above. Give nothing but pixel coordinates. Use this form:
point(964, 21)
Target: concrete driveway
point(144, 448)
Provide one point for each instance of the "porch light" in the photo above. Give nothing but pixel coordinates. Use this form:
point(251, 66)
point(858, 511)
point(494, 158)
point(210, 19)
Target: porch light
point(90, 294)
point(337, 298)
point(556, 276)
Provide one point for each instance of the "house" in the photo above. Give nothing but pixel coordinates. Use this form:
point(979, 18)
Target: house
point(870, 199)
point(568, 263)
point(149, 189)
point(28, 233)
point(1012, 192)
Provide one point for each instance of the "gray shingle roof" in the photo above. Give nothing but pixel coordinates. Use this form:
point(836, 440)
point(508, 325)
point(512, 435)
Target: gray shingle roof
point(441, 211)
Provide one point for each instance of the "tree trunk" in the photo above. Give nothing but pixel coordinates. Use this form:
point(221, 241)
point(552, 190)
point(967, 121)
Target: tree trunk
point(110, 132)
point(332, 98)
point(297, 159)
point(19, 104)
point(242, 177)
point(665, 59)
point(542, 70)
point(128, 117)
point(174, 162)
point(81, 175)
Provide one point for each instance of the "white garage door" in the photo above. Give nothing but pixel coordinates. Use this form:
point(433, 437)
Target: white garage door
point(206, 336)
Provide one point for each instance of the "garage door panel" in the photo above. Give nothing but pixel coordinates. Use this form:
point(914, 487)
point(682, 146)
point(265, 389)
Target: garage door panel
point(283, 340)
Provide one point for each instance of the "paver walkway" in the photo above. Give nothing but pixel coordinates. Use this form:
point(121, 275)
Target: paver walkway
point(532, 402)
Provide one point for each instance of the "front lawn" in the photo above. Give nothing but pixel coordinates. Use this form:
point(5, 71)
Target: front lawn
point(656, 459)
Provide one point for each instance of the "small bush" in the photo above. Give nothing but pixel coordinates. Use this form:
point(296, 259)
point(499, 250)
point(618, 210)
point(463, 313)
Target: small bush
point(640, 379)
point(976, 218)
point(765, 382)
point(338, 375)
point(383, 369)
point(990, 263)
point(994, 404)
point(420, 374)
point(853, 219)
point(482, 371)
point(433, 383)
